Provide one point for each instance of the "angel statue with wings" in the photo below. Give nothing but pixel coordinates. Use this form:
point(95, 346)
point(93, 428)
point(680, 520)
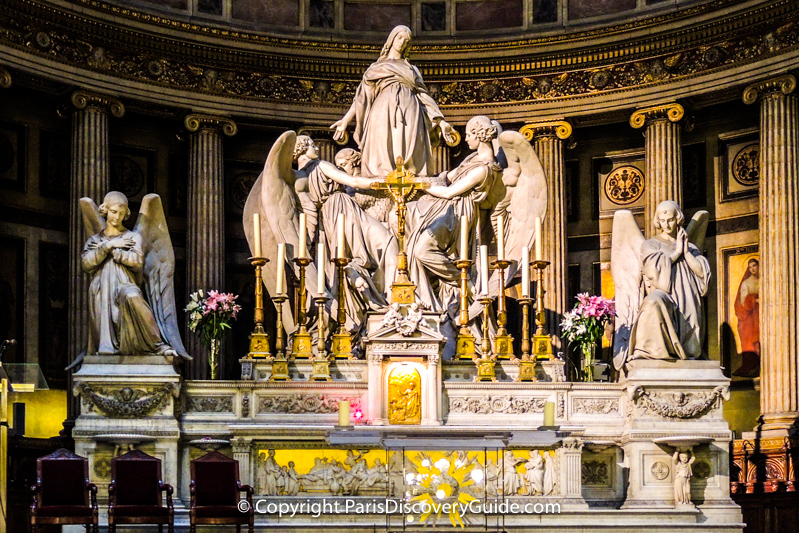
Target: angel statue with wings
point(480, 190)
point(316, 188)
point(660, 285)
point(131, 295)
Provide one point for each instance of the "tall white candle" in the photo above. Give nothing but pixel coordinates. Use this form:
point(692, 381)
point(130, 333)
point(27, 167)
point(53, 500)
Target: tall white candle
point(281, 262)
point(538, 238)
point(525, 266)
point(484, 268)
point(464, 238)
point(256, 232)
point(344, 413)
point(501, 238)
point(340, 236)
point(320, 268)
point(303, 237)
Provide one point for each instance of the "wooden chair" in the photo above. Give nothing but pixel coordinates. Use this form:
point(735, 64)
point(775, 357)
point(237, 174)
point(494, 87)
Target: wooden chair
point(134, 495)
point(215, 493)
point(63, 494)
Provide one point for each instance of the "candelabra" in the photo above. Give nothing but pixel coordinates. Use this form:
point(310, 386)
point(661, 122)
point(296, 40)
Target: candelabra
point(341, 346)
point(526, 363)
point(485, 364)
point(259, 338)
point(301, 343)
point(542, 343)
point(321, 363)
point(280, 365)
point(503, 343)
point(465, 344)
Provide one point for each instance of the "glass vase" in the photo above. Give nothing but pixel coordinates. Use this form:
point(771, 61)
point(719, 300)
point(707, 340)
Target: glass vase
point(588, 361)
point(213, 357)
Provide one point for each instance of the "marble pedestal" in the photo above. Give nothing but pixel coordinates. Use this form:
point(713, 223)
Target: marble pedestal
point(677, 405)
point(125, 402)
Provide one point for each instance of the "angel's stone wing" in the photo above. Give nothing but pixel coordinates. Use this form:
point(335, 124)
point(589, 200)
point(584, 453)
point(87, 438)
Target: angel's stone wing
point(274, 197)
point(527, 197)
point(625, 266)
point(697, 229)
point(92, 221)
point(159, 270)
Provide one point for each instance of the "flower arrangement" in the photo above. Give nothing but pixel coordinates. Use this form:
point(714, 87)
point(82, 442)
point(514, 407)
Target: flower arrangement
point(585, 324)
point(209, 317)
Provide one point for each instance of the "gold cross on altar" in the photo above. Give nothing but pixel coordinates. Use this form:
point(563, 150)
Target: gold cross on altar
point(400, 184)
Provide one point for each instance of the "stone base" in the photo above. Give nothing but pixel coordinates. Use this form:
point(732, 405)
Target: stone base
point(126, 402)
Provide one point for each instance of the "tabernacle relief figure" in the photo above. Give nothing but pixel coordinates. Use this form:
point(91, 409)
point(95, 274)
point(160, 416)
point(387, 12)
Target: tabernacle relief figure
point(122, 320)
point(669, 323)
point(394, 114)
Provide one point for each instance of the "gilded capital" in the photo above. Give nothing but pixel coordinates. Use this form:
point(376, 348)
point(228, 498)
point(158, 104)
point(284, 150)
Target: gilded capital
point(672, 112)
point(82, 99)
point(552, 128)
point(196, 122)
point(783, 84)
point(5, 78)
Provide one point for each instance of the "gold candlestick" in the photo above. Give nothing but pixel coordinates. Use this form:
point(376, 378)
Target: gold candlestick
point(280, 365)
point(465, 344)
point(485, 364)
point(259, 338)
point(526, 363)
point(542, 343)
point(503, 343)
point(341, 347)
point(301, 343)
point(321, 363)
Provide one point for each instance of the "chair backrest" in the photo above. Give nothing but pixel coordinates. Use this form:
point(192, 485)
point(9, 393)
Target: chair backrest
point(63, 477)
point(215, 477)
point(137, 476)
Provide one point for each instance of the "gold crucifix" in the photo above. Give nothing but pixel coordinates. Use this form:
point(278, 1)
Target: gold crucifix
point(400, 184)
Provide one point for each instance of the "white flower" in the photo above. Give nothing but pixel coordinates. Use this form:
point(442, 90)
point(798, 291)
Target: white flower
point(581, 330)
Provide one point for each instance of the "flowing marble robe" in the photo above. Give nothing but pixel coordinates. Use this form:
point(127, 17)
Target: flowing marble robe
point(372, 247)
point(394, 116)
point(433, 233)
point(671, 321)
point(120, 319)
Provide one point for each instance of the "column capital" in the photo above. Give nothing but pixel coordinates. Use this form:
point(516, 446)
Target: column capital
point(782, 84)
point(195, 122)
point(83, 99)
point(320, 133)
point(5, 78)
point(551, 128)
point(241, 445)
point(671, 111)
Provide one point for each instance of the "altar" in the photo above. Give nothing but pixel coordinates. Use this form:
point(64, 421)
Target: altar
point(393, 394)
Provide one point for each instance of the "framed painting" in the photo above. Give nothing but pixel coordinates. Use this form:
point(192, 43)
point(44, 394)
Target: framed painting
point(740, 306)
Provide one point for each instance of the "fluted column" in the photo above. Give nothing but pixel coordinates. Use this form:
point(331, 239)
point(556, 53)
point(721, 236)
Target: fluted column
point(323, 138)
point(548, 140)
point(663, 155)
point(5, 78)
point(442, 159)
point(89, 177)
point(205, 240)
point(779, 250)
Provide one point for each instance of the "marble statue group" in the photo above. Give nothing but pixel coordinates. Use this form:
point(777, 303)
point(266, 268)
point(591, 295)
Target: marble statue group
point(494, 195)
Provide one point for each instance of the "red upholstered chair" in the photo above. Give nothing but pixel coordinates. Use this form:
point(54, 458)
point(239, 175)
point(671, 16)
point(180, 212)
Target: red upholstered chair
point(62, 493)
point(134, 495)
point(216, 491)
